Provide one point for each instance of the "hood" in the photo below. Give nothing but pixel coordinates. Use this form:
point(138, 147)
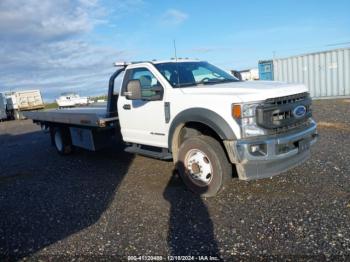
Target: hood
point(248, 90)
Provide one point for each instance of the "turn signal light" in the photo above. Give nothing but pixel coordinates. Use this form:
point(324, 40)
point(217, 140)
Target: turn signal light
point(236, 111)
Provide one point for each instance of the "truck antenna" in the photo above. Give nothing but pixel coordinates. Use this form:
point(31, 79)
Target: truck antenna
point(175, 50)
point(177, 66)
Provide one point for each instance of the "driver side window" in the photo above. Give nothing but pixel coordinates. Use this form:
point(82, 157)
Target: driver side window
point(147, 81)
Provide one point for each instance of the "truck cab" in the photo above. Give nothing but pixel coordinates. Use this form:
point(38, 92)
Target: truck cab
point(210, 123)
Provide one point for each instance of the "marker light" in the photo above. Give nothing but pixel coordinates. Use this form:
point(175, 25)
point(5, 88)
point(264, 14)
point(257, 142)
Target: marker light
point(236, 111)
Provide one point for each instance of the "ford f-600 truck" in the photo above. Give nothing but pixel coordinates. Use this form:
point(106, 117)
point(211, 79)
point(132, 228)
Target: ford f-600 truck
point(210, 123)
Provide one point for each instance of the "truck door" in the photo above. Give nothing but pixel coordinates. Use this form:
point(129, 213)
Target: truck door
point(143, 121)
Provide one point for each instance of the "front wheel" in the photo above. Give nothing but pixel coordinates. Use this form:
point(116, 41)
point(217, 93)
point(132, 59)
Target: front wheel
point(203, 165)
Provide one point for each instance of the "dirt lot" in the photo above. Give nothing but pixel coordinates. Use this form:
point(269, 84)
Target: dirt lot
point(112, 204)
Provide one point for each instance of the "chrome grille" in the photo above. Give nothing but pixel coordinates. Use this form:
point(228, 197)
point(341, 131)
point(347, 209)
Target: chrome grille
point(287, 99)
point(276, 114)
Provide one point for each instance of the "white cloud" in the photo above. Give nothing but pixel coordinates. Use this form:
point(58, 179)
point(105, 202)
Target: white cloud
point(42, 46)
point(55, 66)
point(90, 3)
point(33, 20)
point(174, 17)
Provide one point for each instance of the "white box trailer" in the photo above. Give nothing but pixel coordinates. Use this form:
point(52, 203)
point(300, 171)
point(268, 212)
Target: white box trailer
point(250, 74)
point(19, 101)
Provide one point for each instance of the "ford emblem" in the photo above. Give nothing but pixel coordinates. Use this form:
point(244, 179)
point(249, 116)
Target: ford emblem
point(299, 111)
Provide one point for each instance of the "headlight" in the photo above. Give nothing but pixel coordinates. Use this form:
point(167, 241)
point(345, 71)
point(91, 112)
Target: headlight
point(247, 120)
point(249, 110)
point(249, 128)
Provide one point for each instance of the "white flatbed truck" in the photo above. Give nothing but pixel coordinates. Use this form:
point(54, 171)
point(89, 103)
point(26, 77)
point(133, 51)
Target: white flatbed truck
point(18, 102)
point(207, 121)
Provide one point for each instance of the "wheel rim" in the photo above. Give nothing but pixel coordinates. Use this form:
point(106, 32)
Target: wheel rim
point(198, 167)
point(58, 141)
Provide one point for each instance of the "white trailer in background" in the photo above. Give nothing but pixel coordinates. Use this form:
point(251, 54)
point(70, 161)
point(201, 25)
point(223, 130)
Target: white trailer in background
point(19, 101)
point(250, 74)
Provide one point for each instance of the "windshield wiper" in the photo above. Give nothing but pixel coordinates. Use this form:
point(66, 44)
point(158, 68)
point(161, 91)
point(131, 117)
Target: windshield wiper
point(217, 81)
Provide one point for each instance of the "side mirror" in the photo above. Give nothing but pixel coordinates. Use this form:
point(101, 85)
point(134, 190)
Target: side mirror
point(133, 90)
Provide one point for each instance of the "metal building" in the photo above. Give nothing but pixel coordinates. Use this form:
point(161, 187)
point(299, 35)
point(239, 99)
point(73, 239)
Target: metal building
point(326, 74)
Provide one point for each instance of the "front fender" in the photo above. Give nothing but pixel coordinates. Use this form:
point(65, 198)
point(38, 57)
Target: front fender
point(203, 116)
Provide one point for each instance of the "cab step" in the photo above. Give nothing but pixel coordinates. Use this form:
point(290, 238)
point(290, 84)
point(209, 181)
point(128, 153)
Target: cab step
point(149, 151)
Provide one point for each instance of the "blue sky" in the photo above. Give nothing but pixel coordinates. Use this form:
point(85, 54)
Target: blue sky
point(67, 45)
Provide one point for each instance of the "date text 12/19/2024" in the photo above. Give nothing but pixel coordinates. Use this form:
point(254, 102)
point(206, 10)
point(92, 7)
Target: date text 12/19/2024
point(173, 258)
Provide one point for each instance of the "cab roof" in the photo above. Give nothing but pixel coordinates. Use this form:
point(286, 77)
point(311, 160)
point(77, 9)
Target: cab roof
point(125, 64)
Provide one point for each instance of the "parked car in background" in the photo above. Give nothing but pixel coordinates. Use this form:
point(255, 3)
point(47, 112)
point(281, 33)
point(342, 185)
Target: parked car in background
point(71, 100)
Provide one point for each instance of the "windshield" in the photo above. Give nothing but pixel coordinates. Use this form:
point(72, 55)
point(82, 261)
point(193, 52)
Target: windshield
point(184, 74)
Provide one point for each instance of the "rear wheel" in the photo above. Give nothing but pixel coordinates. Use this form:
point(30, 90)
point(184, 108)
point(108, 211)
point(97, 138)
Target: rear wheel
point(62, 141)
point(203, 165)
point(16, 115)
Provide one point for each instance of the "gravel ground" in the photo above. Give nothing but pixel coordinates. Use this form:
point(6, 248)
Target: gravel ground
point(110, 204)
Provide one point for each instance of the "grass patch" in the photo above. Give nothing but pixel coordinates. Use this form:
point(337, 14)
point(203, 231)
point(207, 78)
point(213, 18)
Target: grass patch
point(51, 106)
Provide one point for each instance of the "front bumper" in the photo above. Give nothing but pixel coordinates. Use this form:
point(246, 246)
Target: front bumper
point(278, 153)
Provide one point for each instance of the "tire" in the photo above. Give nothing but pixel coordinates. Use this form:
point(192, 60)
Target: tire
point(203, 165)
point(16, 115)
point(62, 141)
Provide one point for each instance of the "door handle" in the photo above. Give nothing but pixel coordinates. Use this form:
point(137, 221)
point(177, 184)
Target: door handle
point(127, 106)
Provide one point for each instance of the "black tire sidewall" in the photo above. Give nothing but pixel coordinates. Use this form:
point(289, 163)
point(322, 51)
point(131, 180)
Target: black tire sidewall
point(66, 142)
point(220, 166)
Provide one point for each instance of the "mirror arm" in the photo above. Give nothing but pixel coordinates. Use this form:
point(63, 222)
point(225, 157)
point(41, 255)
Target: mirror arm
point(156, 89)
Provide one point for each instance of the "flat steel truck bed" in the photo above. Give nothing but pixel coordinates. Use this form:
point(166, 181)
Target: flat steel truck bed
point(82, 116)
